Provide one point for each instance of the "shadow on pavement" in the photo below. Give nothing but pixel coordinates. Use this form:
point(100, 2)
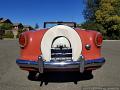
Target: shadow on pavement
point(60, 77)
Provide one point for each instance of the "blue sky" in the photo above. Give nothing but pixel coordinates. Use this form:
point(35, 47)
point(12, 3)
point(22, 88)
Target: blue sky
point(31, 12)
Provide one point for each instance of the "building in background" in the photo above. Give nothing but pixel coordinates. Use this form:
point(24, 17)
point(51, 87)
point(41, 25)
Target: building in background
point(27, 28)
point(10, 29)
point(4, 20)
point(17, 26)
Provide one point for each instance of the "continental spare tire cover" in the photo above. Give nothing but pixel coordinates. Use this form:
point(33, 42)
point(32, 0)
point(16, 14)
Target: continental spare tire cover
point(64, 31)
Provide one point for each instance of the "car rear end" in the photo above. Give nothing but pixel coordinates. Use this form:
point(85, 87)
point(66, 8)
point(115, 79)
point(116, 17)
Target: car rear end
point(60, 48)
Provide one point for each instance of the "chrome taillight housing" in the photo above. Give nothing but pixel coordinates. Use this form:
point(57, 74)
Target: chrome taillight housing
point(22, 40)
point(98, 40)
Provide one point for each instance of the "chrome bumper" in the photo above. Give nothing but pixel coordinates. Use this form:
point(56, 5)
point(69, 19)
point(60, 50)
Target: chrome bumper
point(60, 65)
point(71, 65)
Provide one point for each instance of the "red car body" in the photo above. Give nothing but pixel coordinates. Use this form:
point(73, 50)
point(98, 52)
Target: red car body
point(31, 54)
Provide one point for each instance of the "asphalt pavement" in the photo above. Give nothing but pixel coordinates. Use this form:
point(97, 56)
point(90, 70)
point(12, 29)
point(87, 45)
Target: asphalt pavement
point(12, 78)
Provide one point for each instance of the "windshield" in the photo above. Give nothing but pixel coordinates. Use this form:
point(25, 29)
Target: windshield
point(51, 24)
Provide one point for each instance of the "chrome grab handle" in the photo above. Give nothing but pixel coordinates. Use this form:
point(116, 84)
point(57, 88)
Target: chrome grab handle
point(40, 64)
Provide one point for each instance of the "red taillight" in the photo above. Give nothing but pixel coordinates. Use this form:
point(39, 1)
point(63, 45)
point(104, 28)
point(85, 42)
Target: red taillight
point(98, 39)
point(22, 40)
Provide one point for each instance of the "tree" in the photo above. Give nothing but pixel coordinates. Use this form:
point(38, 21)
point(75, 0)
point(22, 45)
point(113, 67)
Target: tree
point(5, 26)
point(93, 26)
point(108, 15)
point(105, 15)
point(91, 7)
point(36, 26)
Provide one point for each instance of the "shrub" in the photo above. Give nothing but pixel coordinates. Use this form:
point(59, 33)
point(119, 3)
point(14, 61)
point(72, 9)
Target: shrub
point(19, 32)
point(9, 34)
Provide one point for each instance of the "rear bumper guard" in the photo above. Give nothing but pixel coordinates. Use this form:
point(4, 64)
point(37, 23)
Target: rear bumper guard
point(41, 65)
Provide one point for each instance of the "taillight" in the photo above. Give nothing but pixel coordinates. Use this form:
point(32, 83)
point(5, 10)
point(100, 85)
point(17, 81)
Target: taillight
point(22, 40)
point(98, 39)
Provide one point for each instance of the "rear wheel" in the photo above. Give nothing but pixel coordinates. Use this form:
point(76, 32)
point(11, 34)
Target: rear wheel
point(32, 75)
point(87, 75)
point(88, 72)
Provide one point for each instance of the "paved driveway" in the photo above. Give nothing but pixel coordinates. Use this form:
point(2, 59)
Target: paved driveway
point(12, 78)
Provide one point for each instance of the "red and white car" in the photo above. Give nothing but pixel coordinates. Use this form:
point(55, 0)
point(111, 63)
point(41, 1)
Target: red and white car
point(62, 47)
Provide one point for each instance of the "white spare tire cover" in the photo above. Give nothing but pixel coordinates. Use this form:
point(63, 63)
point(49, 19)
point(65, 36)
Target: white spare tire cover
point(65, 31)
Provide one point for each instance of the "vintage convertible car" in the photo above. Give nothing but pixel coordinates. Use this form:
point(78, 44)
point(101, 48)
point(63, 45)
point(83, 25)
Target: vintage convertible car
point(63, 47)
